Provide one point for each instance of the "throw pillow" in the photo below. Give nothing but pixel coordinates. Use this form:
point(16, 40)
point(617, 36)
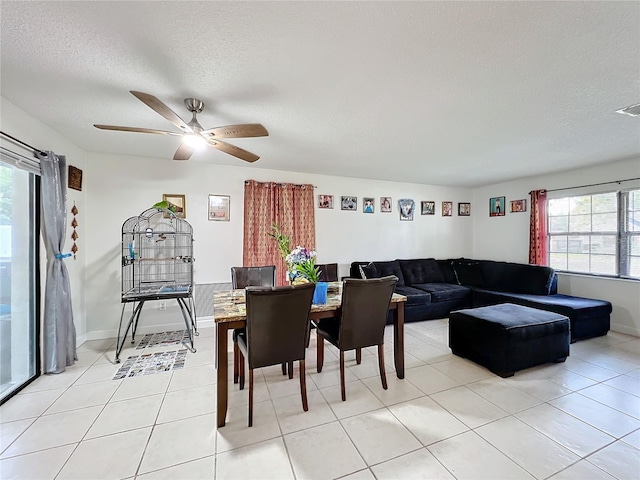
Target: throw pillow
point(369, 271)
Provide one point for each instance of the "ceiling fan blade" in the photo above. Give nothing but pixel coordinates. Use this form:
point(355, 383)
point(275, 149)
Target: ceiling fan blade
point(159, 107)
point(238, 131)
point(135, 129)
point(233, 150)
point(184, 152)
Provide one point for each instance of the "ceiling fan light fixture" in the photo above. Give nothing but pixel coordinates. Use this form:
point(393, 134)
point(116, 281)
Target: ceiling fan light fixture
point(193, 136)
point(194, 140)
point(632, 110)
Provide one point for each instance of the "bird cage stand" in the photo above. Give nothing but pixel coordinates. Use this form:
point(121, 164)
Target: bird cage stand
point(157, 264)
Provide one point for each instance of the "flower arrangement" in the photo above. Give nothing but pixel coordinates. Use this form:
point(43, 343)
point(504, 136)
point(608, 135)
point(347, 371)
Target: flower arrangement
point(300, 261)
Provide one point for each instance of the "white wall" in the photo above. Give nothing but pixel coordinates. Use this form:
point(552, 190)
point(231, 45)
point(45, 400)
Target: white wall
point(19, 124)
point(507, 238)
point(121, 187)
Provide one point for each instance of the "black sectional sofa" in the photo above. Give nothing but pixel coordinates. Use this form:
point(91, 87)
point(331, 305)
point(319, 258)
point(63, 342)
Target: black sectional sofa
point(434, 288)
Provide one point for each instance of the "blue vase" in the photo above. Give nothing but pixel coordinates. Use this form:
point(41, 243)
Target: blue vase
point(320, 293)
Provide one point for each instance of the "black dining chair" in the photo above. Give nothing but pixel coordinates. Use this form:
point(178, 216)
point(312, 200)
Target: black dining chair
point(242, 277)
point(328, 272)
point(363, 316)
point(277, 326)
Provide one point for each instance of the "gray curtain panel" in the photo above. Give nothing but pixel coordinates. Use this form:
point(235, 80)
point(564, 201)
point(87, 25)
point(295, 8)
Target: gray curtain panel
point(59, 332)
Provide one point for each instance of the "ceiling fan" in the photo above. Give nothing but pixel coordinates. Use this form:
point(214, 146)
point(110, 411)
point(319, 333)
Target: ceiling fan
point(193, 135)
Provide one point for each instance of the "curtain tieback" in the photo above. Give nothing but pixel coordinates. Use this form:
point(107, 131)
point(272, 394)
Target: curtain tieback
point(60, 256)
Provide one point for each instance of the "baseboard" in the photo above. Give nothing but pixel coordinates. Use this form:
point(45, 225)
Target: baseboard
point(616, 327)
point(80, 339)
point(203, 322)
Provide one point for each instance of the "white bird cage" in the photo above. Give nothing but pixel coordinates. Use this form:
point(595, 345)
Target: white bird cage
point(157, 264)
point(157, 255)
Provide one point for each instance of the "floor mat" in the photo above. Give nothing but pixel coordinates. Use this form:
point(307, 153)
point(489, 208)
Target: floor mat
point(150, 363)
point(163, 339)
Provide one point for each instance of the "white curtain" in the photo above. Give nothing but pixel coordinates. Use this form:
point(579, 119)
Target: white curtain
point(59, 335)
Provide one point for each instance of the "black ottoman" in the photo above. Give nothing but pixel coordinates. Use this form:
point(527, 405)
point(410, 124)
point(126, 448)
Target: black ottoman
point(506, 338)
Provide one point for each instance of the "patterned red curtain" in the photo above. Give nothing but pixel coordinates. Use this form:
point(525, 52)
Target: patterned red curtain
point(538, 228)
point(287, 205)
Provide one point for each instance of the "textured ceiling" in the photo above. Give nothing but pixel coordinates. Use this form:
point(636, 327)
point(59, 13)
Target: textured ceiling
point(442, 93)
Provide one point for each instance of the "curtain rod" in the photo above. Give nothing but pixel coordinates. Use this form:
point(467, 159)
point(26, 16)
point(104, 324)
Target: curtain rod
point(34, 149)
point(592, 185)
point(281, 183)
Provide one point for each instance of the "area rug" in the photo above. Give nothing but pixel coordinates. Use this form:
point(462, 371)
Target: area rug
point(163, 339)
point(150, 363)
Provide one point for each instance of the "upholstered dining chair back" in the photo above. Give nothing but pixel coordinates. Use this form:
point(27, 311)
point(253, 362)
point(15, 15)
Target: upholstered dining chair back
point(242, 277)
point(328, 272)
point(365, 304)
point(277, 324)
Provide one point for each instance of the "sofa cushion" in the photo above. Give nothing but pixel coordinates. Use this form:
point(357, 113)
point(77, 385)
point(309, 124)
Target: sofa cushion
point(468, 272)
point(423, 270)
point(414, 295)
point(369, 271)
point(446, 267)
point(443, 292)
point(516, 277)
point(391, 268)
point(570, 306)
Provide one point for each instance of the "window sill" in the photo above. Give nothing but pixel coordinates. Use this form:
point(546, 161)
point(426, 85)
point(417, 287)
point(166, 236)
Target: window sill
point(598, 277)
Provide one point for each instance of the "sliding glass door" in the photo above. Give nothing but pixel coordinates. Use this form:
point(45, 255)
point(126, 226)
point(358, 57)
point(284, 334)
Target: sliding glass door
point(19, 210)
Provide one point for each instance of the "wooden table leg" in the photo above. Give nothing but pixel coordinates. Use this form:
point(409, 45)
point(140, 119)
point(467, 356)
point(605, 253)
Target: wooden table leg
point(398, 339)
point(223, 372)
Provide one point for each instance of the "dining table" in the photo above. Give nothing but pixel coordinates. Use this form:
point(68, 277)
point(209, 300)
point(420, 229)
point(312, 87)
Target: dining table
point(229, 312)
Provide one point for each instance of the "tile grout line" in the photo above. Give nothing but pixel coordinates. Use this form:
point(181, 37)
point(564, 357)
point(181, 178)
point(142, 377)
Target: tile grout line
point(153, 427)
point(92, 423)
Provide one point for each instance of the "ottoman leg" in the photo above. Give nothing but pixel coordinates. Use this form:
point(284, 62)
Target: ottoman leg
point(560, 360)
point(504, 374)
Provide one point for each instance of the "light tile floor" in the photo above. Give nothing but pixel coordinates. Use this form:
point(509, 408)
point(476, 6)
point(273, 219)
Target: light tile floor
point(449, 418)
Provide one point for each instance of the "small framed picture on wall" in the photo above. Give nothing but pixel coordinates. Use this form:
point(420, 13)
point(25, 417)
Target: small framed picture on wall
point(427, 208)
point(219, 207)
point(368, 205)
point(325, 201)
point(177, 203)
point(75, 178)
point(385, 204)
point(349, 203)
point(496, 206)
point(518, 206)
point(447, 209)
point(406, 207)
point(464, 209)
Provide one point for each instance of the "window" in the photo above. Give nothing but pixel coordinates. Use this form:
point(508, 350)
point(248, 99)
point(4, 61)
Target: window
point(19, 293)
point(597, 234)
point(630, 235)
